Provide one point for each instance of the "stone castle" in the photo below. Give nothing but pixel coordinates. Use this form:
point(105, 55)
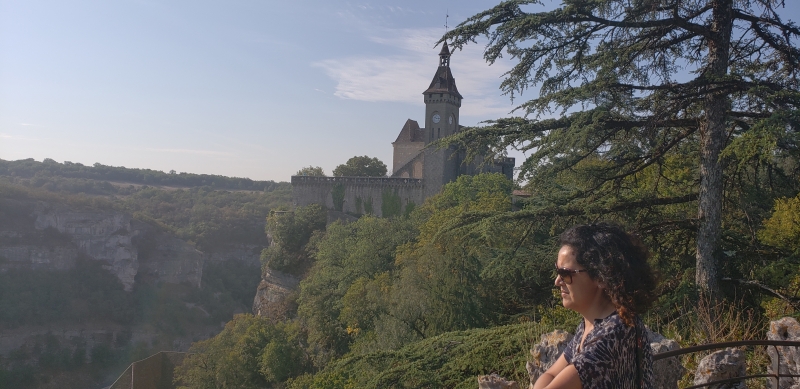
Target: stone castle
point(419, 170)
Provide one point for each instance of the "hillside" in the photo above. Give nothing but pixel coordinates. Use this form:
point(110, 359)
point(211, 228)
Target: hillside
point(95, 274)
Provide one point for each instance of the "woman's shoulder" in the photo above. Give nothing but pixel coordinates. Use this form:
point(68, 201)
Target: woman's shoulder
point(613, 325)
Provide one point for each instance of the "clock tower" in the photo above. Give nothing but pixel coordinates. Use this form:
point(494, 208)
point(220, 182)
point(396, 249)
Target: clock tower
point(442, 102)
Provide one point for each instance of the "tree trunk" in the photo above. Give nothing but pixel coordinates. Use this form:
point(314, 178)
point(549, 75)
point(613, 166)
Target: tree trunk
point(712, 137)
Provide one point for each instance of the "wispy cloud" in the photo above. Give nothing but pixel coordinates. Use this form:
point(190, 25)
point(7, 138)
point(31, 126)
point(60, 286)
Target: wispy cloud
point(14, 137)
point(402, 76)
point(190, 151)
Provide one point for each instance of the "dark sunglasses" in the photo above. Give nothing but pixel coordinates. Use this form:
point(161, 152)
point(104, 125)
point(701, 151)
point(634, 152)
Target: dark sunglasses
point(566, 274)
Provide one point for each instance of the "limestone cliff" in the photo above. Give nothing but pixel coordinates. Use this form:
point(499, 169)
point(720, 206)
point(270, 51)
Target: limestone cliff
point(272, 294)
point(49, 236)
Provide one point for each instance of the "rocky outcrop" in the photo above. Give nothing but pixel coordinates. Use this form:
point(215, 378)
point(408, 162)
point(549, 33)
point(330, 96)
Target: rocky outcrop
point(104, 236)
point(494, 381)
point(165, 258)
point(44, 236)
point(545, 353)
point(785, 357)
point(666, 372)
point(272, 294)
point(247, 253)
point(721, 365)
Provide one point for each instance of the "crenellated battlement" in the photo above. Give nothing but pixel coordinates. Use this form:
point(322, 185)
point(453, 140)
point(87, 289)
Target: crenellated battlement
point(382, 181)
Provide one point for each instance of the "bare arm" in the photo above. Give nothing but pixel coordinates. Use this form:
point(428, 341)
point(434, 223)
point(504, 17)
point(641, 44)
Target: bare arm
point(561, 375)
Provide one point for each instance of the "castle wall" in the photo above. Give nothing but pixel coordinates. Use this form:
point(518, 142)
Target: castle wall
point(405, 152)
point(379, 196)
point(412, 168)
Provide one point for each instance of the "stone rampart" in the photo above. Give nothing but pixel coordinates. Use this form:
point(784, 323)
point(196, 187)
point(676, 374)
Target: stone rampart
point(379, 196)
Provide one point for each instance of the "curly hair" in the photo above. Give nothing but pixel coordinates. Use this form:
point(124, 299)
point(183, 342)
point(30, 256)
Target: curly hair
point(618, 260)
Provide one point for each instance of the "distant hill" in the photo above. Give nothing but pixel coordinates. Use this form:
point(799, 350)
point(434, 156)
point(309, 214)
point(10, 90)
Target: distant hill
point(31, 169)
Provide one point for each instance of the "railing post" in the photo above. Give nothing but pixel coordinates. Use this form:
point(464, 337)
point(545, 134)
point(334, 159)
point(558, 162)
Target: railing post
point(776, 368)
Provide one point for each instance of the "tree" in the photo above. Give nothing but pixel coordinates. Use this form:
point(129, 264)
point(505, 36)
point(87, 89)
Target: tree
point(250, 352)
point(361, 167)
point(290, 233)
point(640, 85)
point(315, 171)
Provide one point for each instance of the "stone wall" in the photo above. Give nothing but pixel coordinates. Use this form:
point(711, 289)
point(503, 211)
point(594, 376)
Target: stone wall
point(378, 196)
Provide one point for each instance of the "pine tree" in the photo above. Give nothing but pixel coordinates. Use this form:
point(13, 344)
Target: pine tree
point(636, 85)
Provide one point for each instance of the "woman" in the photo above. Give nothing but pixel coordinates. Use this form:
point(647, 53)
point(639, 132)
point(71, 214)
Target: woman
point(603, 275)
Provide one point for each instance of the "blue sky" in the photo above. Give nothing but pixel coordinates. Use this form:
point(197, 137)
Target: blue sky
point(253, 89)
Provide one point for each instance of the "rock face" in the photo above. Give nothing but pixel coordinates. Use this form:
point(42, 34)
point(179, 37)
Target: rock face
point(247, 253)
point(666, 372)
point(271, 295)
point(104, 236)
point(546, 352)
point(165, 258)
point(786, 328)
point(51, 237)
point(723, 364)
point(494, 381)
point(38, 257)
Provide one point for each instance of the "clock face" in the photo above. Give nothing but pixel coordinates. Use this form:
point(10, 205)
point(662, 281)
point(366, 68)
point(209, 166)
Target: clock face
point(436, 118)
point(450, 119)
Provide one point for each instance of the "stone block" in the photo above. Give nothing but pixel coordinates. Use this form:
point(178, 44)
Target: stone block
point(723, 364)
point(785, 358)
point(666, 372)
point(546, 352)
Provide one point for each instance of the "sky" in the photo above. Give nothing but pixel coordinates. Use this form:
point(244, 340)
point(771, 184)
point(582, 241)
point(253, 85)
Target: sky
point(242, 88)
point(254, 89)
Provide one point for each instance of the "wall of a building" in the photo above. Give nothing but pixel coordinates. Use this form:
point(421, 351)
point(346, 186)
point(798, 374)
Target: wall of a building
point(378, 196)
point(405, 152)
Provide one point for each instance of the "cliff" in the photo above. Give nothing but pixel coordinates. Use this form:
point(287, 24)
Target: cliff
point(48, 236)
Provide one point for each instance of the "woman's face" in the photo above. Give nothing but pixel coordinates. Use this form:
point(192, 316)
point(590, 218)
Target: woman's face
point(584, 292)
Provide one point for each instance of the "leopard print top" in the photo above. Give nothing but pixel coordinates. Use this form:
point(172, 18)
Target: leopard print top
point(608, 359)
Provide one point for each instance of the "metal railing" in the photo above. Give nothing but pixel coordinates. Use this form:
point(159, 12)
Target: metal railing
point(776, 375)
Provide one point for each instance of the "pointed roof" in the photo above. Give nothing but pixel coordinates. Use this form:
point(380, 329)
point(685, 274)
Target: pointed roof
point(445, 50)
point(443, 81)
point(410, 132)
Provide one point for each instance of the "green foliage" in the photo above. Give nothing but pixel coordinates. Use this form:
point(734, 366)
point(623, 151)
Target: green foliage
point(348, 258)
point(363, 166)
point(368, 210)
point(30, 297)
point(379, 284)
point(451, 360)
point(337, 193)
point(251, 352)
point(782, 229)
point(359, 205)
point(391, 204)
point(410, 207)
point(290, 233)
point(210, 218)
point(315, 171)
point(685, 161)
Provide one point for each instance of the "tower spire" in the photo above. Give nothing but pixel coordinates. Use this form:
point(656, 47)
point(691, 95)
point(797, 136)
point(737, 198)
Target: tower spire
point(444, 56)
